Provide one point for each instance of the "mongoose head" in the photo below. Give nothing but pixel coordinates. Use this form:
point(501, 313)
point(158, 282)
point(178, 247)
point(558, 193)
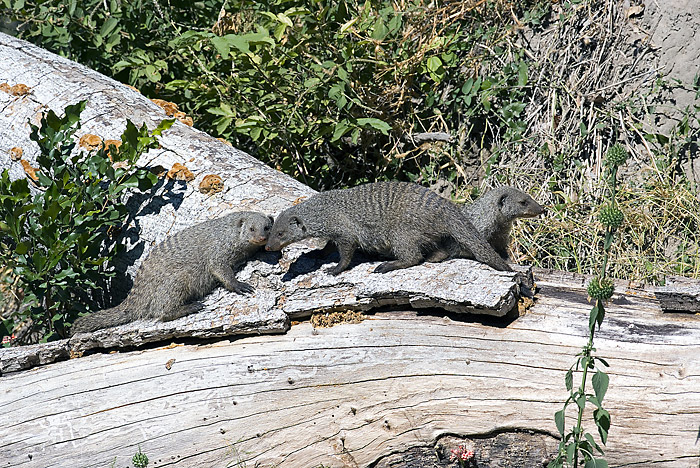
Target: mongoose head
point(288, 228)
point(256, 229)
point(513, 203)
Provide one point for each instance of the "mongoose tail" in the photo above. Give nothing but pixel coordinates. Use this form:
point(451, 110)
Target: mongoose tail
point(100, 319)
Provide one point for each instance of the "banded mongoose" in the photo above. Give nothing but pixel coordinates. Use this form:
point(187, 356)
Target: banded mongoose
point(186, 267)
point(493, 215)
point(397, 219)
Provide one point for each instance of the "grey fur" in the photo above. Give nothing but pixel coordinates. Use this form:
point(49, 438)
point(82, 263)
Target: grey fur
point(493, 215)
point(186, 267)
point(397, 219)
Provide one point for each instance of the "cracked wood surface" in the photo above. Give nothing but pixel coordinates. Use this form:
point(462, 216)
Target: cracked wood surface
point(355, 393)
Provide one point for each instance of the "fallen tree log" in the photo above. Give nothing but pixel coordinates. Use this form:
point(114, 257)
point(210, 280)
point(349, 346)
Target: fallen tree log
point(366, 394)
point(376, 393)
point(296, 288)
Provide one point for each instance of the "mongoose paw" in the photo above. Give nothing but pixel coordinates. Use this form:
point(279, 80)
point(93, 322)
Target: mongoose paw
point(384, 268)
point(336, 270)
point(243, 288)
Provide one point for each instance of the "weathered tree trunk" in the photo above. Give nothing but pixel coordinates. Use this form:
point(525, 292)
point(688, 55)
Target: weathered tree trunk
point(400, 387)
point(353, 394)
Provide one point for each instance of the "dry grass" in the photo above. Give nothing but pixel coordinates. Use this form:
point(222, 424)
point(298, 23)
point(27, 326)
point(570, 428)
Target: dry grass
point(584, 74)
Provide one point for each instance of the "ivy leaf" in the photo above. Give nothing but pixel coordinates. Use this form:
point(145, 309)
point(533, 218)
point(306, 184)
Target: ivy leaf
point(374, 123)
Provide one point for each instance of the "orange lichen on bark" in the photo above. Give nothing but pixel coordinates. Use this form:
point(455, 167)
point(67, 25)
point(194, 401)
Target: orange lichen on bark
point(20, 89)
point(31, 171)
point(90, 141)
point(170, 108)
point(184, 118)
point(211, 184)
point(16, 153)
point(180, 172)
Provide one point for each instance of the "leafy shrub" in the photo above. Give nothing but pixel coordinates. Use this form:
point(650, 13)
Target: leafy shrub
point(60, 237)
point(328, 92)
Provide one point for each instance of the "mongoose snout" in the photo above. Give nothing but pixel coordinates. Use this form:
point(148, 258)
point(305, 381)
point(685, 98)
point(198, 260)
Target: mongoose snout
point(494, 213)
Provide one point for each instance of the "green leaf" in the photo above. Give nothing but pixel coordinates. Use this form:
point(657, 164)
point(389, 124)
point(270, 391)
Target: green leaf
point(22, 248)
point(434, 64)
point(347, 25)
point(596, 463)
point(600, 315)
point(559, 420)
point(600, 385)
point(108, 26)
point(72, 114)
point(39, 260)
point(602, 420)
point(284, 19)
point(279, 30)
point(597, 315)
point(224, 44)
point(376, 124)
point(592, 442)
point(379, 31)
point(341, 129)
point(222, 124)
point(570, 449)
point(569, 380)
point(163, 126)
point(468, 86)
point(522, 73)
point(152, 73)
point(20, 187)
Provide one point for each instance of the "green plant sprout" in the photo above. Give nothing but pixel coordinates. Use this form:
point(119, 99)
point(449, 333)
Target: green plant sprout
point(577, 443)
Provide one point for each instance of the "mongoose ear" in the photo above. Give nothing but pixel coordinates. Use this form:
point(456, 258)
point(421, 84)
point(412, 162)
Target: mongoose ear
point(502, 199)
point(295, 221)
point(272, 220)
